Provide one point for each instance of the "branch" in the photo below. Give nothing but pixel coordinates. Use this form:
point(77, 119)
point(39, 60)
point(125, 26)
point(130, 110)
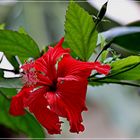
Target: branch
point(105, 48)
point(119, 82)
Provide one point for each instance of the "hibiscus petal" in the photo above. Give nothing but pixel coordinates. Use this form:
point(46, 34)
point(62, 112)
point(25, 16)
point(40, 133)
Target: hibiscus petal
point(102, 69)
point(17, 103)
point(37, 104)
point(69, 101)
point(48, 119)
point(56, 104)
point(73, 95)
point(36, 99)
point(55, 53)
point(16, 107)
point(47, 62)
point(69, 66)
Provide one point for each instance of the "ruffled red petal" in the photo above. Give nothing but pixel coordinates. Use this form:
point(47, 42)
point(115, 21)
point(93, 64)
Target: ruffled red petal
point(69, 101)
point(16, 107)
point(47, 63)
point(17, 103)
point(73, 95)
point(48, 119)
point(69, 66)
point(36, 98)
point(37, 104)
point(56, 104)
point(102, 69)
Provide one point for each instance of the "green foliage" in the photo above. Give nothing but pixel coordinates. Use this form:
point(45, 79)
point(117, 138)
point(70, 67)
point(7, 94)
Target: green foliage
point(22, 30)
point(133, 74)
point(126, 37)
point(12, 59)
point(80, 32)
point(1, 74)
point(17, 44)
point(105, 52)
point(135, 23)
point(26, 124)
point(114, 81)
point(2, 26)
point(124, 63)
point(104, 55)
point(95, 84)
point(10, 83)
point(127, 69)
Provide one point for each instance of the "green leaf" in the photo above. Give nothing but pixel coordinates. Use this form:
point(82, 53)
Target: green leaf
point(26, 124)
point(133, 74)
point(22, 30)
point(135, 23)
point(80, 32)
point(125, 69)
point(95, 84)
point(14, 43)
point(8, 91)
point(2, 26)
point(12, 59)
point(104, 55)
point(105, 52)
point(1, 74)
point(126, 37)
point(124, 63)
point(10, 83)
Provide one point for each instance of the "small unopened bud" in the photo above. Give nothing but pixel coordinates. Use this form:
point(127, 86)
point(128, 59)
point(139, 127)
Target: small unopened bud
point(101, 13)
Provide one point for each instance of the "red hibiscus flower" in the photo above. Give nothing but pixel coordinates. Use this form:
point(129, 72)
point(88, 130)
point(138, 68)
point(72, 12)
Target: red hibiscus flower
point(55, 85)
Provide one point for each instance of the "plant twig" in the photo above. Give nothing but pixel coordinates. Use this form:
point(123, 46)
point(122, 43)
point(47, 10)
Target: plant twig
point(119, 82)
point(105, 48)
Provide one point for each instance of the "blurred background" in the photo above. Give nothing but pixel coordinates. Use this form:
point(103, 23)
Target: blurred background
point(113, 110)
